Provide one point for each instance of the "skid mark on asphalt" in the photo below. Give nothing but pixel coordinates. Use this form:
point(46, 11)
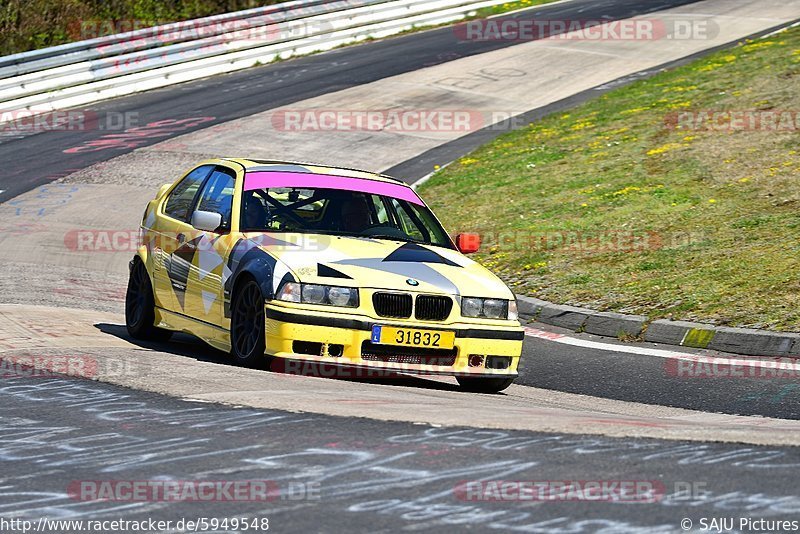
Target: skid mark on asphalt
point(378, 473)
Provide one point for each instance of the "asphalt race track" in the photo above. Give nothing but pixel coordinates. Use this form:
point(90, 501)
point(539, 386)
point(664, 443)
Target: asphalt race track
point(344, 475)
point(355, 454)
point(636, 378)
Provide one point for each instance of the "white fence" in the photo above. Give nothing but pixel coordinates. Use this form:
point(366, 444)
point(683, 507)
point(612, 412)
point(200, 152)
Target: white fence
point(87, 71)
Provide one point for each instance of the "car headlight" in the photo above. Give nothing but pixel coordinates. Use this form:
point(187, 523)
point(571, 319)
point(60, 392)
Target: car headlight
point(319, 294)
point(471, 307)
point(342, 296)
point(313, 293)
point(489, 308)
point(495, 309)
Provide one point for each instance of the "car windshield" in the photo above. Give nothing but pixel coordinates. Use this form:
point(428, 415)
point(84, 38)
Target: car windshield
point(330, 211)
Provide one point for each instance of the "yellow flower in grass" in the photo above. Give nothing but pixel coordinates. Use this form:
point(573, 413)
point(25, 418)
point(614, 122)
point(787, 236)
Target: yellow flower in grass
point(626, 190)
point(537, 265)
point(468, 161)
point(582, 124)
point(709, 67)
point(758, 46)
point(679, 105)
point(680, 89)
point(664, 148)
point(633, 110)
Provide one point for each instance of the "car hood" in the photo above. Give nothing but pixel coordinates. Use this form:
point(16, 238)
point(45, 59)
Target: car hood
point(380, 263)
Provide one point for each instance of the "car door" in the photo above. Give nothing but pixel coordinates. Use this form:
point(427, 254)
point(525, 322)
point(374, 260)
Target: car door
point(171, 261)
point(203, 294)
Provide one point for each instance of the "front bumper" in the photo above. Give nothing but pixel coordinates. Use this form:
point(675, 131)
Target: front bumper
point(344, 340)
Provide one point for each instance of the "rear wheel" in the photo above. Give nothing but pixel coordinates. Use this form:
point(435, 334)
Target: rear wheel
point(247, 325)
point(140, 307)
point(484, 385)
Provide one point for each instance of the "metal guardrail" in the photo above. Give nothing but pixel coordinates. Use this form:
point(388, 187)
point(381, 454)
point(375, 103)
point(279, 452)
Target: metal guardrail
point(65, 54)
point(88, 71)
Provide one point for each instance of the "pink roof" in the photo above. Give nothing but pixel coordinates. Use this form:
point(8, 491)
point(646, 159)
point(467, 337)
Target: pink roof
point(274, 179)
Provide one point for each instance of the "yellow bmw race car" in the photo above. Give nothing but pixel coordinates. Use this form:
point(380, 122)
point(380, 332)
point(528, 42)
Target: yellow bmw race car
point(298, 262)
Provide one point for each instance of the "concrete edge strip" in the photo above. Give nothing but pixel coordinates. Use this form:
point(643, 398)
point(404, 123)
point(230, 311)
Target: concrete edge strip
point(744, 341)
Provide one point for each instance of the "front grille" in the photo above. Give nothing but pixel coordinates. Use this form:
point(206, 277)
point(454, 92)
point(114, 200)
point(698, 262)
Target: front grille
point(392, 304)
point(433, 307)
point(410, 355)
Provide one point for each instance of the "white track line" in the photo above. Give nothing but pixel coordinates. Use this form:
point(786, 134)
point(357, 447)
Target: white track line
point(788, 364)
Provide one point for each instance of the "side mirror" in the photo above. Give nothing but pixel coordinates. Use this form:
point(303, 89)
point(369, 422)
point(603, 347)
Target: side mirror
point(206, 220)
point(162, 190)
point(468, 243)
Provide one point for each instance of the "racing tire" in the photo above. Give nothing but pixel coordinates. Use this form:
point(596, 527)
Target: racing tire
point(140, 307)
point(247, 325)
point(484, 385)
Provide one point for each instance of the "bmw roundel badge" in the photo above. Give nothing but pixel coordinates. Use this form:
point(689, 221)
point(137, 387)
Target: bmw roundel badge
point(412, 282)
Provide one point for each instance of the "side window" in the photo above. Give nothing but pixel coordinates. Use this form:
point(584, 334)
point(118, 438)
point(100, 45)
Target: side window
point(378, 209)
point(410, 227)
point(180, 199)
point(217, 195)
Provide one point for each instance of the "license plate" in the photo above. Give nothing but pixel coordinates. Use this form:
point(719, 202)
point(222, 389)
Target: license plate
point(413, 337)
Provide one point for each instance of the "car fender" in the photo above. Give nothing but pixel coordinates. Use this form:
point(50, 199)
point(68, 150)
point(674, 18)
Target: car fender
point(142, 254)
point(260, 266)
point(261, 270)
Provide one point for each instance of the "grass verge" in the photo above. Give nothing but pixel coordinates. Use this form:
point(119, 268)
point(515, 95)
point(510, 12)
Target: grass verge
point(629, 203)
